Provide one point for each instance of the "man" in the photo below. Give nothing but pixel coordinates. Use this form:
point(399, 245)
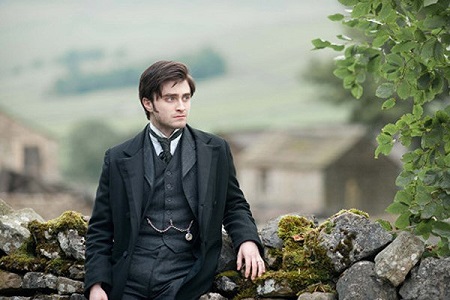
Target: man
point(163, 196)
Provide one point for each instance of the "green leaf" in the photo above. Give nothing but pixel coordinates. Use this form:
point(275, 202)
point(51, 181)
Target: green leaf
point(357, 91)
point(422, 198)
point(424, 82)
point(386, 11)
point(430, 177)
point(430, 210)
point(349, 81)
point(434, 22)
point(336, 17)
point(390, 103)
point(397, 208)
point(445, 38)
point(336, 47)
point(445, 179)
point(439, 53)
point(428, 49)
point(429, 2)
point(361, 9)
point(418, 110)
point(341, 73)
point(404, 89)
point(348, 2)
point(443, 248)
point(403, 197)
point(404, 179)
point(395, 60)
point(404, 47)
point(374, 64)
point(379, 40)
point(320, 44)
point(384, 138)
point(360, 77)
point(385, 90)
point(437, 84)
point(423, 229)
point(403, 220)
point(419, 36)
point(384, 149)
point(441, 228)
point(390, 129)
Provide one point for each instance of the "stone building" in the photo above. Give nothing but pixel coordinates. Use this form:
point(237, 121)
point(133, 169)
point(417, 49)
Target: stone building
point(314, 171)
point(26, 150)
point(29, 173)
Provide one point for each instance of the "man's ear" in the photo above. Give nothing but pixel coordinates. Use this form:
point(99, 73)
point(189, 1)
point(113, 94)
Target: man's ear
point(148, 105)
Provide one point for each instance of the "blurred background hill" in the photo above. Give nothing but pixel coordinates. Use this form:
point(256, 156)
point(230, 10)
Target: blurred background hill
point(263, 46)
point(71, 69)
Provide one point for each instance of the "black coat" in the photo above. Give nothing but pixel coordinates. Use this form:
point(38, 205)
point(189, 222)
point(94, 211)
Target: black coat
point(115, 221)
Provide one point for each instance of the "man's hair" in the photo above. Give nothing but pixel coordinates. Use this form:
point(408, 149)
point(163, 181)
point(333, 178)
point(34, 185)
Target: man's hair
point(159, 73)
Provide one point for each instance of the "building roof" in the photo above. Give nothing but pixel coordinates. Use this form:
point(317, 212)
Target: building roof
point(303, 148)
point(6, 117)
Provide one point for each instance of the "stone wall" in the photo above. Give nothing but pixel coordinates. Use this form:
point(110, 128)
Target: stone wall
point(50, 205)
point(345, 257)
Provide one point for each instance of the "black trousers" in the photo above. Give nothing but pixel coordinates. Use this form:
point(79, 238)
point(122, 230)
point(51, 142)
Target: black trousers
point(157, 274)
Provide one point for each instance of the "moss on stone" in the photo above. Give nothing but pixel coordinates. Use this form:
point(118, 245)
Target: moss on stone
point(22, 261)
point(320, 287)
point(30, 256)
point(293, 226)
point(352, 210)
point(276, 255)
point(68, 220)
point(304, 261)
point(60, 266)
point(45, 234)
point(232, 274)
point(247, 290)
point(299, 280)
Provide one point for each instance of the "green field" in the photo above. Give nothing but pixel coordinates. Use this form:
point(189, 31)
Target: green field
point(266, 45)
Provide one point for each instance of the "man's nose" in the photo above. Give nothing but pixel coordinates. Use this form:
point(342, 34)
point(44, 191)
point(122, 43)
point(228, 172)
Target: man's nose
point(181, 105)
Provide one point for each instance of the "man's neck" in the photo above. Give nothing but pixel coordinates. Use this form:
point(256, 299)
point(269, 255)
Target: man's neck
point(159, 132)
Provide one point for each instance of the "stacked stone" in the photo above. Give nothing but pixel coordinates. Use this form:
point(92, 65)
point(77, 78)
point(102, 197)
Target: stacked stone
point(66, 245)
point(366, 262)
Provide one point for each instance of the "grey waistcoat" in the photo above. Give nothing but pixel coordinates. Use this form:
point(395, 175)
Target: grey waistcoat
point(168, 202)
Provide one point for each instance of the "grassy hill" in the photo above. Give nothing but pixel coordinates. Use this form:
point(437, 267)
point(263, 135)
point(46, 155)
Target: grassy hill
point(266, 45)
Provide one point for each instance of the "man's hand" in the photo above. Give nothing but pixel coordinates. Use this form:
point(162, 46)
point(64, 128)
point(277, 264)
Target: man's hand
point(97, 293)
point(248, 256)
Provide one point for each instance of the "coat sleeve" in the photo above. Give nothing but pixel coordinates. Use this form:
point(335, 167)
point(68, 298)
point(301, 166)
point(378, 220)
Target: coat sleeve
point(238, 220)
point(99, 237)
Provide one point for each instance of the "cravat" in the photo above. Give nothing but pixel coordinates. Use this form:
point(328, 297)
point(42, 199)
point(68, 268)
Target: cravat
point(165, 154)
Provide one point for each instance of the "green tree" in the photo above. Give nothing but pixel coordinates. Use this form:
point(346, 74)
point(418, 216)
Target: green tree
point(86, 145)
point(407, 51)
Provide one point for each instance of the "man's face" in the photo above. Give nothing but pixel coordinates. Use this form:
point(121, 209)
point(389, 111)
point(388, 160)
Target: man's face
point(170, 111)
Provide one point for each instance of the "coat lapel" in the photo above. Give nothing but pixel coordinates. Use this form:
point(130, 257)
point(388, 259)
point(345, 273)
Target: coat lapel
point(207, 170)
point(133, 174)
point(188, 174)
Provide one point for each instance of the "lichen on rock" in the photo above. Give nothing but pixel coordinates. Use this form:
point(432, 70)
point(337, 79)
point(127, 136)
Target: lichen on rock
point(43, 252)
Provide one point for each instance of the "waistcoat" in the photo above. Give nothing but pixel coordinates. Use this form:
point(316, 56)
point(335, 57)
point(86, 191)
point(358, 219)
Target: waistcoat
point(168, 208)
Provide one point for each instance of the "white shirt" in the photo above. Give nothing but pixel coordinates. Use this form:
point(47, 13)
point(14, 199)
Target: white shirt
point(157, 145)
